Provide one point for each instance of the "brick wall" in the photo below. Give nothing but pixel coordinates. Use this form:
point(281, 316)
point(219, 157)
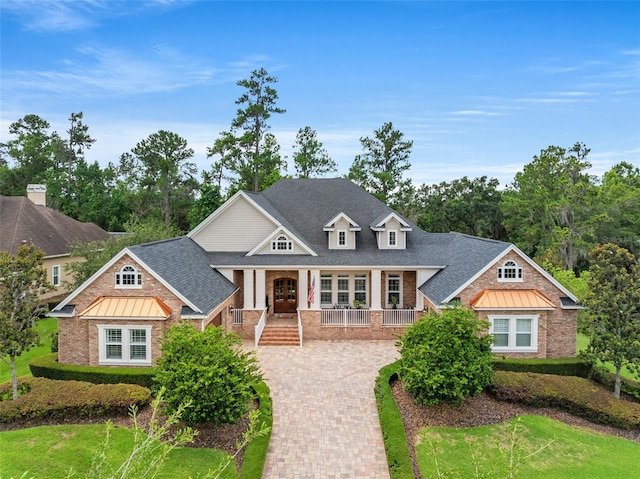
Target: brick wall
point(78, 338)
point(556, 329)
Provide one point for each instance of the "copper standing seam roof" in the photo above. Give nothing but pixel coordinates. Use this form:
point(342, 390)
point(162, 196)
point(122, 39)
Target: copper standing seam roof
point(511, 299)
point(144, 307)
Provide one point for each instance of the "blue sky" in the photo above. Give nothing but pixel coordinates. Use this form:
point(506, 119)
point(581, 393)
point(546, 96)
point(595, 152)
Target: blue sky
point(480, 87)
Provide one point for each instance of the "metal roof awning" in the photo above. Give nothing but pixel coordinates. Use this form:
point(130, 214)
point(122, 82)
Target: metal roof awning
point(492, 299)
point(122, 307)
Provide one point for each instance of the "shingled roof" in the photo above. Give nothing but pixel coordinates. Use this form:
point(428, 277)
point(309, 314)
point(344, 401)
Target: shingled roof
point(306, 205)
point(49, 230)
point(183, 264)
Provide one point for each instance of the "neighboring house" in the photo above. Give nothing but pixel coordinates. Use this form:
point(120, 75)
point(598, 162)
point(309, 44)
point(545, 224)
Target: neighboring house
point(324, 255)
point(26, 220)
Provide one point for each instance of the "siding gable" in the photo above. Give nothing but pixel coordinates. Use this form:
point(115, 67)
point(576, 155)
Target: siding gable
point(240, 226)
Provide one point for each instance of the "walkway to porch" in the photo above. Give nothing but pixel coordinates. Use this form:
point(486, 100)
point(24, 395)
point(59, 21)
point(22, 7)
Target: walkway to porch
point(325, 420)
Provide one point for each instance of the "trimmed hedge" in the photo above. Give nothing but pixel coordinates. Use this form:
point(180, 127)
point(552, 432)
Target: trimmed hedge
point(560, 367)
point(50, 398)
point(393, 434)
point(256, 453)
point(608, 379)
point(578, 396)
point(47, 366)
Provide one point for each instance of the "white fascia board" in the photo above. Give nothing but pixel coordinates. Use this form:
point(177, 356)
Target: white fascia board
point(354, 226)
point(532, 263)
point(226, 205)
point(164, 282)
point(397, 217)
point(278, 231)
point(53, 256)
point(93, 277)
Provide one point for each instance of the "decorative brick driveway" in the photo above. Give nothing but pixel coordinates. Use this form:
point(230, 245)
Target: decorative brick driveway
point(325, 420)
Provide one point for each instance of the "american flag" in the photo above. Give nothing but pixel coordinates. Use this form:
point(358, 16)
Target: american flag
point(312, 290)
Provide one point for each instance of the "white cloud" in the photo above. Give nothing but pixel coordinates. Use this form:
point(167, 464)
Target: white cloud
point(70, 15)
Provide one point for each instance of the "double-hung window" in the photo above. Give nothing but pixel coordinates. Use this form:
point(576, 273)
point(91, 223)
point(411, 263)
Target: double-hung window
point(125, 344)
point(343, 289)
point(394, 292)
point(514, 333)
point(342, 238)
point(392, 236)
point(55, 275)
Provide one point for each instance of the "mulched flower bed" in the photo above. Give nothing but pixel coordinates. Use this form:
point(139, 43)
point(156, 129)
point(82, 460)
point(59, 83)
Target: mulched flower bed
point(481, 410)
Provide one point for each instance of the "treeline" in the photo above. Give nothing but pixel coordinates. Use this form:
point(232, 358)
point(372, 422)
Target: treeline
point(554, 210)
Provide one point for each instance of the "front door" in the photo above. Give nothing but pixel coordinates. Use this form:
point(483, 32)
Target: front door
point(285, 295)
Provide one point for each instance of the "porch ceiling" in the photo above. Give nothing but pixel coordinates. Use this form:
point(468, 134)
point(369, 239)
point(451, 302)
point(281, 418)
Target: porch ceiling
point(120, 307)
point(511, 299)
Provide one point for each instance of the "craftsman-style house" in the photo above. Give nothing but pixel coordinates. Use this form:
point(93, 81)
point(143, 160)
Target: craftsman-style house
point(321, 258)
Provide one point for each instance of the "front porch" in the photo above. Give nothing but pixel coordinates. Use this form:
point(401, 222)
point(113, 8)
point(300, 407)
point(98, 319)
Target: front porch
point(323, 324)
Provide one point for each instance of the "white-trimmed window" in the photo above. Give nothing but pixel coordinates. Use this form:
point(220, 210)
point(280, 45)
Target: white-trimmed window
point(55, 275)
point(342, 238)
point(125, 344)
point(343, 289)
point(514, 333)
point(510, 271)
point(392, 238)
point(326, 289)
point(128, 277)
point(394, 290)
point(282, 243)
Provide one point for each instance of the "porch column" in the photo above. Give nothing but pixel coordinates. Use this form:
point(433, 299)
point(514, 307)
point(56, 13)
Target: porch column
point(303, 288)
point(421, 277)
point(248, 289)
point(260, 289)
point(315, 280)
point(376, 293)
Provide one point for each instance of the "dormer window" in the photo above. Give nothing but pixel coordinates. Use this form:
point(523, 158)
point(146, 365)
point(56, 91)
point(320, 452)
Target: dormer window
point(282, 243)
point(510, 271)
point(342, 238)
point(128, 277)
point(393, 238)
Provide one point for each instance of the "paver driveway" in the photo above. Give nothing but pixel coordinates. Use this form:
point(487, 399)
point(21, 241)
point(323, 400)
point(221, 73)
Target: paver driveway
point(325, 420)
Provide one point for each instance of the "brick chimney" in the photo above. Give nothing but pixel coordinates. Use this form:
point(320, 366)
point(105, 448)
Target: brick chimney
point(37, 194)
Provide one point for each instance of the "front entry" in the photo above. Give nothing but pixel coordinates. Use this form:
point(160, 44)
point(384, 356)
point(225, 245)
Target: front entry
point(285, 295)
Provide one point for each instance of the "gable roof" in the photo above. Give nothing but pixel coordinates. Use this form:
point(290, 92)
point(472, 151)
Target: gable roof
point(48, 229)
point(181, 265)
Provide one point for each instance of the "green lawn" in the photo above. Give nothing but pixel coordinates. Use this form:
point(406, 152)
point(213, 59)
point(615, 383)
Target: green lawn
point(565, 452)
point(583, 341)
point(49, 452)
point(45, 327)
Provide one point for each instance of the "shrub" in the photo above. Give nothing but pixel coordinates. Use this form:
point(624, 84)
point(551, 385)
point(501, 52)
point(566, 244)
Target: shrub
point(393, 433)
point(208, 368)
point(561, 367)
point(47, 366)
point(578, 396)
point(48, 398)
point(446, 357)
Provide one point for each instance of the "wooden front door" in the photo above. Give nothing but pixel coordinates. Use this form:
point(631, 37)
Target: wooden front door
point(285, 295)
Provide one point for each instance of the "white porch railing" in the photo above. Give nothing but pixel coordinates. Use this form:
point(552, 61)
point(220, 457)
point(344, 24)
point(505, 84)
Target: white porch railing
point(261, 325)
point(398, 317)
point(345, 317)
point(300, 328)
point(237, 317)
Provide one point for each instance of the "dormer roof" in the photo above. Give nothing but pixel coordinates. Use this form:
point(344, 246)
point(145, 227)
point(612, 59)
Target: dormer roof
point(330, 225)
point(379, 223)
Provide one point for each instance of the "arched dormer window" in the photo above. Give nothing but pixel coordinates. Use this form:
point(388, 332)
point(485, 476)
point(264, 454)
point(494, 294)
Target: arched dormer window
point(128, 277)
point(510, 271)
point(282, 243)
